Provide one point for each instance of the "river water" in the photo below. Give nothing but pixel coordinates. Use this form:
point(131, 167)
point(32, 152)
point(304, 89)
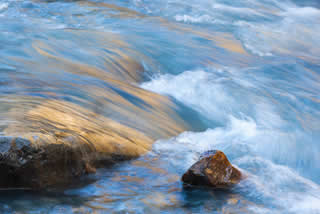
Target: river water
point(171, 79)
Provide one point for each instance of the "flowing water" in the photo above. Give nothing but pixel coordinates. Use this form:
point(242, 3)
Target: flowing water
point(166, 81)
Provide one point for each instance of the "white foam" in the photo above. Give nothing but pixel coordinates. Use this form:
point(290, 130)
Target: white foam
point(239, 137)
point(249, 109)
point(216, 94)
point(284, 187)
point(279, 187)
point(302, 12)
point(258, 51)
point(191, 144)
point(3, 6)
point(194, 19)
point(273, 26)
point(292, 33)
point(194, 88)
point(307, 204)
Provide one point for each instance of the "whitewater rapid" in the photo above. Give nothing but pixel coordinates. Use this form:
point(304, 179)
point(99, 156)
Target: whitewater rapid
point(253, 132)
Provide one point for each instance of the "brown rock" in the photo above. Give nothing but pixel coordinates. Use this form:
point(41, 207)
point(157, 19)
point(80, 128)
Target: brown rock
point(213, 169)
point(27, 165)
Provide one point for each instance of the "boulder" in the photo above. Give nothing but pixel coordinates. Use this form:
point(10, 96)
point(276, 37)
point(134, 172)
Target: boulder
point(35, 166)
point(214, 170)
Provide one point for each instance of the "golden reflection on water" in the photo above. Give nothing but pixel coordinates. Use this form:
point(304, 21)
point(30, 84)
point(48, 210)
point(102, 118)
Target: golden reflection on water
point(228, 42)
point(109, 121)
point(221, 39)
point(122, 12)
point(117, 65)
point(54, 121)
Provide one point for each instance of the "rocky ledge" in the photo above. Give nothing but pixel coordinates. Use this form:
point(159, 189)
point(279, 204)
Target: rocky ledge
point(214, 170)
point(27, 165)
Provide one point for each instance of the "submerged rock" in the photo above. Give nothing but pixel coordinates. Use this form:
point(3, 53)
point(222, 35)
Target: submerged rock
point(28, 165)
point(213, 169)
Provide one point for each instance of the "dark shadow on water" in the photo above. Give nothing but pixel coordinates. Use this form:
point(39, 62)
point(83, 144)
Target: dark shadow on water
point(12, 201)
point(196, 197)
point(56, 192)
point(25, 200)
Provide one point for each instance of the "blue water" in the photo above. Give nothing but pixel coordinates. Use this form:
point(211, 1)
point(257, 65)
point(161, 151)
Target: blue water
point(240, 76)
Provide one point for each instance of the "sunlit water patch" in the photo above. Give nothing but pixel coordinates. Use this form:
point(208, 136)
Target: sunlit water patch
point(162, 82)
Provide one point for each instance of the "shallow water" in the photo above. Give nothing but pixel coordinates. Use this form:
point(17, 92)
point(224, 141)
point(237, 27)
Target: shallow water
point(176, 78)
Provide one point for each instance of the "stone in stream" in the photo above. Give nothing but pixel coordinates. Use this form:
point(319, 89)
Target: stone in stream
point(27, 165)
point(214, 170)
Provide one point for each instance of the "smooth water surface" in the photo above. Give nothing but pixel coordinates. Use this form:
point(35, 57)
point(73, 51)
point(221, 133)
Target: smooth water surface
point(177, 78)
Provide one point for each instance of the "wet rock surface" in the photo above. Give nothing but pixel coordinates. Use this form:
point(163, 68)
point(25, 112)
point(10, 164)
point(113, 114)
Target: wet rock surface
point(214, 170)
point(27, 165)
